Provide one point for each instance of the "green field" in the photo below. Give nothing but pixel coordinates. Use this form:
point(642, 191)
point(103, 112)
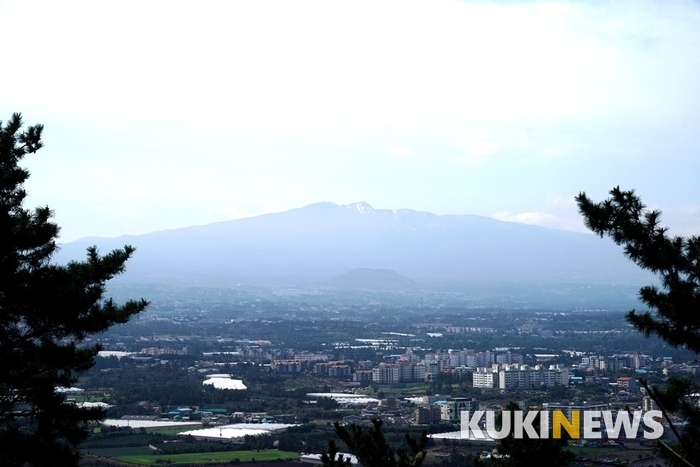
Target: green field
point(116, 452)
point(209, 457)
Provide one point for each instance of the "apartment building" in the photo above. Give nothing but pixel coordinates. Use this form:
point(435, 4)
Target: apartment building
point(484, 378)
point(398, 373)
point(516, 376)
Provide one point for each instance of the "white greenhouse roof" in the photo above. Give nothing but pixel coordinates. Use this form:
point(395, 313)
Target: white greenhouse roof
point(92, 405)
point(151, 424)
point(114, 353)
point(237, 430)
point(344, 398)
point(70, 390)
point(316, 458)
point(225, 382)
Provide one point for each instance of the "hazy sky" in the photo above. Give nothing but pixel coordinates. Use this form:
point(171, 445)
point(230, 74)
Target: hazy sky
point(168, 114)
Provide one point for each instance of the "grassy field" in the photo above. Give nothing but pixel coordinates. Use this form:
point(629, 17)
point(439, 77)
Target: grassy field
point(209, 457)
point(117, 452)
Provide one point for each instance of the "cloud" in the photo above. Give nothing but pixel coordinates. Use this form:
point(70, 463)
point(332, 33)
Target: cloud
point(683, 220)
point(401, 152)
point(689, 210)
point(236, 212)
point(131, 210)
point(459, 106)
point(561, 202)
point(477, 146)
point(543, 219)
point(318, 63)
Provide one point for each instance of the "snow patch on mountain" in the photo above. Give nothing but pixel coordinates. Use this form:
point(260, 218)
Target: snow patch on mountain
point(361, 207)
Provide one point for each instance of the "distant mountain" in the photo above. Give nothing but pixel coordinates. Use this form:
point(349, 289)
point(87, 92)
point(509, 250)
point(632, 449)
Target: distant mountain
point(322, 241)
point(371, 279)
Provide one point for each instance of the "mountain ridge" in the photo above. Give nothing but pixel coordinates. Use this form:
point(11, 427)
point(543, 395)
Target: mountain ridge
point(395, 212)
point(324, 240)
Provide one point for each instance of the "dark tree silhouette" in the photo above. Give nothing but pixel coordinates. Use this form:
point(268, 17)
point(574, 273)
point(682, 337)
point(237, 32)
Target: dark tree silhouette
point(673, 306)
point(46, 313)
point(372, 450)
point(548, 452)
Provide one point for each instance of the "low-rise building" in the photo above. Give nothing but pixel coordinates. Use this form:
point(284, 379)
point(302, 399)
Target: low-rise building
point(451, 410)
point(428, 415)
point(627, 382)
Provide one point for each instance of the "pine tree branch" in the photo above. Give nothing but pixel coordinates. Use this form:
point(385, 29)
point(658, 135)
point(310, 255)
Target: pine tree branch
point(667, 417)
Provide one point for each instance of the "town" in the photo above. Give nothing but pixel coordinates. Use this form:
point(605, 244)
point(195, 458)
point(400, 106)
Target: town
point(259, 373)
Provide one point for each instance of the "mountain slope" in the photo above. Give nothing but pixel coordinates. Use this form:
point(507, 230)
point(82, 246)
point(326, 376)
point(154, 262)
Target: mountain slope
point(325, 240)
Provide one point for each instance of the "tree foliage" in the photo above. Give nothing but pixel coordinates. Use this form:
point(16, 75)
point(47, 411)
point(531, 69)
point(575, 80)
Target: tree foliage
point(674, 304)
point(371, 448)
point(46, 313)
point(675, 260)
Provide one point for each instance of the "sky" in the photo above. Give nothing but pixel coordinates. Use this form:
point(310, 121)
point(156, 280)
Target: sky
point(165, 114)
